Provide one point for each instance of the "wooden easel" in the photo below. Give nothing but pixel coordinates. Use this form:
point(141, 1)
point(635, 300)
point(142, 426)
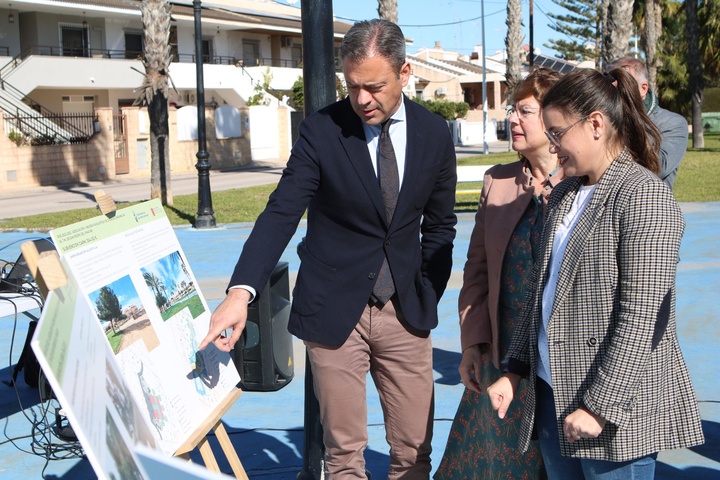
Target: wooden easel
point(45, 268)
point(49, 274)
point(199, 439)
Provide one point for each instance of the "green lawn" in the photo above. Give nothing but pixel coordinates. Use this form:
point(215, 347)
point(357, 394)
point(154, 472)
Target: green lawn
point(115, 339)
point(696, 182)
point(193, 303)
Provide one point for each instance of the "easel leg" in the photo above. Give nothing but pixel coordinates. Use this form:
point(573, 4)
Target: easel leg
point(208, 456)
point(230, 452)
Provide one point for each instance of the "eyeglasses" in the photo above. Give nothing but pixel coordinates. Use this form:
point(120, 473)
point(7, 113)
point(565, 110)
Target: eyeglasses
point(554, 137)
point(523, 111)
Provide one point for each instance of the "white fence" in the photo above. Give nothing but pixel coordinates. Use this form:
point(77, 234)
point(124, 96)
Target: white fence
point(471, 133)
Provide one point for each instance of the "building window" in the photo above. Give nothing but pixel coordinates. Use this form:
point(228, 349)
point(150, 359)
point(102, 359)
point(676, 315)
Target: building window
point(419, 94)
point(133, 45)
point(468, 96)
point(251, 52)
point(174, 44)
point(296, 52)
point(207, 50)
point(74, 40)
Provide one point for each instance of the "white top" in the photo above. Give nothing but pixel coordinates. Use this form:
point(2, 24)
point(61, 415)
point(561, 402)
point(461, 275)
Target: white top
point(562, 235)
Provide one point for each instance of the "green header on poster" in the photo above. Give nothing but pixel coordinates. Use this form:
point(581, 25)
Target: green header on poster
point(88, 231)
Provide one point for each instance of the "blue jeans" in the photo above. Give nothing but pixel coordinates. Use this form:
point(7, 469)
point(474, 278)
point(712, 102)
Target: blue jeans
point(567, 468)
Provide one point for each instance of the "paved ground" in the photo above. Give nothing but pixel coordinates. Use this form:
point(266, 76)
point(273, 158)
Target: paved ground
point(266, 428)
point(57, 199)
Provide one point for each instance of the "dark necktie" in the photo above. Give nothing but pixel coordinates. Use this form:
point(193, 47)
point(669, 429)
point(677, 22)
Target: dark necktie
point(390, 188)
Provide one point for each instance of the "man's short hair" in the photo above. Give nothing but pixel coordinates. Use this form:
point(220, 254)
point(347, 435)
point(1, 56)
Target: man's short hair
point(636, 67)
point(374, 37)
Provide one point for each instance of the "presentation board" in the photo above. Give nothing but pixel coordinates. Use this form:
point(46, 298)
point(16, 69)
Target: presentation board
point(118, 342)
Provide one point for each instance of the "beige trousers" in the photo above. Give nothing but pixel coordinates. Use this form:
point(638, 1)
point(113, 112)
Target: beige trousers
point(399, 358)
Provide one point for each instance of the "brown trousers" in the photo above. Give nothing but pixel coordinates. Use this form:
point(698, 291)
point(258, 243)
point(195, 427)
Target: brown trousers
point(399, 358)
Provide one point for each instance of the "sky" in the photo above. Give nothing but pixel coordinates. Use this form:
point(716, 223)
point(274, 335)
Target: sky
point(456, 24)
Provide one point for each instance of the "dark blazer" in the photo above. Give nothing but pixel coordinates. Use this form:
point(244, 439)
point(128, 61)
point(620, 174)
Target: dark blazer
point(612, 332)
point(330, 174)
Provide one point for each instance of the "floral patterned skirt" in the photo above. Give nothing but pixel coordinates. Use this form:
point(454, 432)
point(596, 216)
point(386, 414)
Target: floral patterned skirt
point(481, 446)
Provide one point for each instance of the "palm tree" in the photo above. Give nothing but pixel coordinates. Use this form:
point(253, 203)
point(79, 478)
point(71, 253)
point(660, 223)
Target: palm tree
point(513, 44)
point(695, 81)
point(619, 27)
point(709, 18)
point(653, 27)
point(580, 24)
point(601, 26)
point(157, 58)
point(388, 10)
point(158, 287)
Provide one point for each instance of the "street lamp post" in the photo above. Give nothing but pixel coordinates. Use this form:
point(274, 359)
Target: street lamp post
point(484, 79)
point(205, 217)
point(319, 89)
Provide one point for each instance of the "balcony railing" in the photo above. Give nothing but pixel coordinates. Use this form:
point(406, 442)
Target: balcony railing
point(56, 51)
point(42, 129)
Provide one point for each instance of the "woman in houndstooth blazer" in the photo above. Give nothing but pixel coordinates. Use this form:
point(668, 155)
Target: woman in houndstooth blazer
point(598, 335)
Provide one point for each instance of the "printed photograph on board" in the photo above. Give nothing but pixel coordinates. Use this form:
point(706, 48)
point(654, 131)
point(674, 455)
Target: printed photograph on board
point(172, 286)
point(123, 316)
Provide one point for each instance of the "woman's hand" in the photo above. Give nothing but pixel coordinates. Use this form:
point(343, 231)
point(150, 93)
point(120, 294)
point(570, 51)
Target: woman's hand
point(582, 423)
point(470, 367)
point(502, 392)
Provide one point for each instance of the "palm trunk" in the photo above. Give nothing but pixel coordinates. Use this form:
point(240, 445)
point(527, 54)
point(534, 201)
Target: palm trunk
point(160, 148)
point(653, 27)
point(388, 10)
point(619, 28)
point(695, 72)
point(513, 44)
point(157, 58)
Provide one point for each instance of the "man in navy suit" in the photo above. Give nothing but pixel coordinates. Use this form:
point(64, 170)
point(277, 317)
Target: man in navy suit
point(359, 236)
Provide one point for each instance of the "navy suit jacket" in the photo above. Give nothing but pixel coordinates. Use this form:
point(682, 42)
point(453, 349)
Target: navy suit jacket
point(330, 174)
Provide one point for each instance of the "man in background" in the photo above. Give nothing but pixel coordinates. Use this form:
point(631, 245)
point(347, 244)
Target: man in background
point(673, 127)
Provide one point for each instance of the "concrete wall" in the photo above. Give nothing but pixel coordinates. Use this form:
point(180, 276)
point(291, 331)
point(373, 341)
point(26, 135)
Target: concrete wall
point(24, 167)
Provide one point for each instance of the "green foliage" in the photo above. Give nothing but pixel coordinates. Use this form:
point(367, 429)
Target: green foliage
point(44, 140)
point(579, 26)
point(711, 100)
point(17, 138)
point(260, 89)
point(107, 305)
point(447, 110)
point(298, 94)
point(709, 20)
point(672, 75)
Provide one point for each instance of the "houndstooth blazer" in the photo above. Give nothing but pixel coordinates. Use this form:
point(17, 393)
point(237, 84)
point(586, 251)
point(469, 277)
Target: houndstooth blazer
point(612, 333)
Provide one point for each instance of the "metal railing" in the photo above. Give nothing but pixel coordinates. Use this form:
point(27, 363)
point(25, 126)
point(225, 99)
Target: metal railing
point(39, 129)
point(57, 51)
point(69, 129)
